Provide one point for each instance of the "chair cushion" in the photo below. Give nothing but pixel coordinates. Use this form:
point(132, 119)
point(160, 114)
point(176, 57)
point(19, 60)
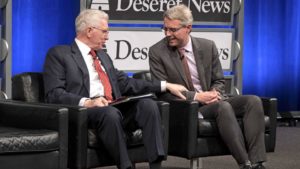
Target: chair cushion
point(132, 138)
point(208, 127)
point(13, 140)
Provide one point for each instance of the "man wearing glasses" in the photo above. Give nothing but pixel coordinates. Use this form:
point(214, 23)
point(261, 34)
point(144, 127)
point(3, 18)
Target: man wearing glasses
point(194, 62)
point(83, 74)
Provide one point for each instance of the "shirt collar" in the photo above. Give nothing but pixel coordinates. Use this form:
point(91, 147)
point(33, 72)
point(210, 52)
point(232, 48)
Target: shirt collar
point(84, 49)
point(188, 47)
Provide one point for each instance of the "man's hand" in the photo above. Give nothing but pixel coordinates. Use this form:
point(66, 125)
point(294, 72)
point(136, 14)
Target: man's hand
point(208, 97)
point(96, 102)
point(176, 90)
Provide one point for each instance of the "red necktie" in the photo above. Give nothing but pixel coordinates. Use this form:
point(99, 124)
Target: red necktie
point(102, 76)
point(186, 69)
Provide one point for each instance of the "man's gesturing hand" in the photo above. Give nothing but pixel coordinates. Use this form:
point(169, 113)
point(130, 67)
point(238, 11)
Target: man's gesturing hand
point(176, 89)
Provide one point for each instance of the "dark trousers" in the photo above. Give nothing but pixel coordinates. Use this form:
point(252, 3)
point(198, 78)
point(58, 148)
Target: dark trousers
point(251, 145)
point(110, 123)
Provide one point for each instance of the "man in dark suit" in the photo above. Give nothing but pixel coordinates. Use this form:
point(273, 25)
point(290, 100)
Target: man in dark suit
point(193, 62)
point(82, 74)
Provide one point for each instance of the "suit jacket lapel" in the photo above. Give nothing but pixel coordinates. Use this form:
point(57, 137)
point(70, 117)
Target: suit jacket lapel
point(104, 63)
point(77, 56)
point(198, 53)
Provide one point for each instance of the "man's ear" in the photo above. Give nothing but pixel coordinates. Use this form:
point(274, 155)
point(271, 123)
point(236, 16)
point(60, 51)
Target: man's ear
point(88, 32)
point(189, 27)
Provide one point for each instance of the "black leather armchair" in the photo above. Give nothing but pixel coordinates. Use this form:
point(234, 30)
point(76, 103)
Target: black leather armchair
point(192, 138)
point(85, 151)
point(33, 136)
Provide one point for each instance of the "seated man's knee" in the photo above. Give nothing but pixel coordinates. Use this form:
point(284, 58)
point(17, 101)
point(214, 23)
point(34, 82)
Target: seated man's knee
point(148, 107)
point(224, 106)
point(108, 114)
point(147, 104)
point(225, 109)
point(254, 100)
point(112, 114)
point(254, 105)
point(99, 116)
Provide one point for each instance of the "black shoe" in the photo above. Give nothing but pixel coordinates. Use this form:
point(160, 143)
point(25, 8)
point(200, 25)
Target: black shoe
point(155, 165)
point(258, 166)
point(246, 165)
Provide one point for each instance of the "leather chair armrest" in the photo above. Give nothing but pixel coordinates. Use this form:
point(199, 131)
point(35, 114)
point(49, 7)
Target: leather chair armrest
point(32, 116)
point(78, 135)
point(270, 106)
point(78, 131)
point(270, 109)
point(164, 114)
point(183, 127)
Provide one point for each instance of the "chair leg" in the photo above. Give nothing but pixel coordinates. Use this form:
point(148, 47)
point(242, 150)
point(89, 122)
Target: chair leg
point(200, 163)
point(133, 166)
point(196, 163)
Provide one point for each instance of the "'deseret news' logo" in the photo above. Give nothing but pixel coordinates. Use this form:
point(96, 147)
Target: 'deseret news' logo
point(201, 6)
point(152, 10)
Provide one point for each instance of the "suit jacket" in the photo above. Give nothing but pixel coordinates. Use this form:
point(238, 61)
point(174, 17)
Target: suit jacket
point(66, 77)
point(165, 64)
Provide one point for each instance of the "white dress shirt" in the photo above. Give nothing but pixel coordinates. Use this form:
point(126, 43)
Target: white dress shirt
point(188, 52)
point(96, 87)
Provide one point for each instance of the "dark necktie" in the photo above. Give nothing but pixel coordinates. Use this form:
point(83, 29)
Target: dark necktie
point(186, 69)
point(102, 76)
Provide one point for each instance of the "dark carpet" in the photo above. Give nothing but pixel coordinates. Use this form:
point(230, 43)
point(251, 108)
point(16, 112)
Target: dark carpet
point(286, 155)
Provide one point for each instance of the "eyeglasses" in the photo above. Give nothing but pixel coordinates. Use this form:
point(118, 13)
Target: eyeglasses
point(172, 30)
point(102, 30)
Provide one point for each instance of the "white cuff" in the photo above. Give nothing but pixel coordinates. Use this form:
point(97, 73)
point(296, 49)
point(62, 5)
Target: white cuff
point(82, 100)
point(195, 96)
point(163, 86)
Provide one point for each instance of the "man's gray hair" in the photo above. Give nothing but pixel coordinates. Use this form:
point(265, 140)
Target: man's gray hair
point(180, 12)
point(89, 18)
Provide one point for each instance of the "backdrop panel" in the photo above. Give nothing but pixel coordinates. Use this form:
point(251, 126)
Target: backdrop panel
point(271, 51)
point(132, 11)
point(129, 49)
